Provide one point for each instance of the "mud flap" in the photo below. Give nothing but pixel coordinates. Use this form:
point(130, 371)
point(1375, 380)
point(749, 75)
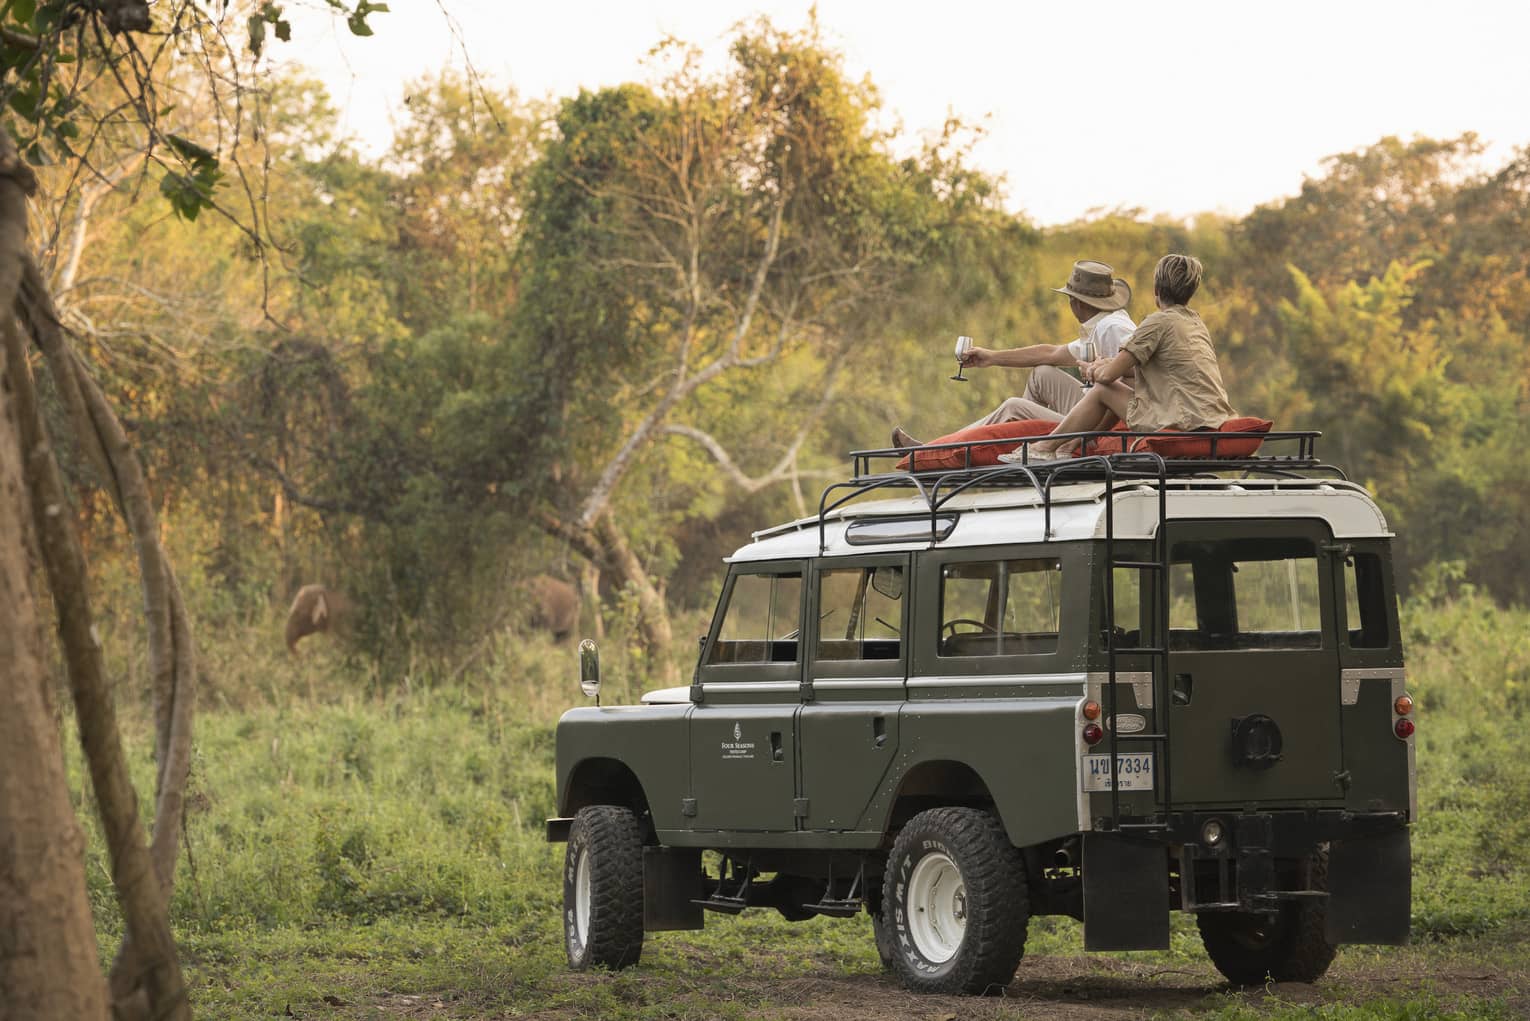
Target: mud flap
point(1126, 893)
point(671, 881)
point(1370, 889)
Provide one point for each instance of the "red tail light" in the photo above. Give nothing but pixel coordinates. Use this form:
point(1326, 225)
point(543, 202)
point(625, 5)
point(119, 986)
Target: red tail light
point(1404, 728)
point(1093, 733)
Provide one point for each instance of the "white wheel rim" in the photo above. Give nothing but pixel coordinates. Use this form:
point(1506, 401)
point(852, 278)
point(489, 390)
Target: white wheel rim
point(582, 898)
point(937, 901)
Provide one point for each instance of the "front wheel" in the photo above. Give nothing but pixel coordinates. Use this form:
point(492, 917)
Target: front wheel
point(603, 888)
point(1288, 946)
point(954, 908)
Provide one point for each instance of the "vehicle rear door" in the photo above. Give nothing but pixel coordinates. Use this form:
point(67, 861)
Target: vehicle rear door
point(1253, 668)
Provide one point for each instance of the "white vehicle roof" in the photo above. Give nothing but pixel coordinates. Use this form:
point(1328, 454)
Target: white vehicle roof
point(993, 516)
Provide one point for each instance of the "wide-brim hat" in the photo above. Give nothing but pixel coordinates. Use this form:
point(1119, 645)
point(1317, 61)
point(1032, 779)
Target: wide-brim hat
point(1095, 284)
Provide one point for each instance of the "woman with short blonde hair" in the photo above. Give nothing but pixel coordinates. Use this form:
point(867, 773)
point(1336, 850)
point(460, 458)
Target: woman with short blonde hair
point(1179, 384)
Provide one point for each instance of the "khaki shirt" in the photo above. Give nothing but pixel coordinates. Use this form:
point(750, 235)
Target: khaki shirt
point(1179, 385)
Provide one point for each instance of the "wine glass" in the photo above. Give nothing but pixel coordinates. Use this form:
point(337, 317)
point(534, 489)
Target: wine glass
point(963, 345)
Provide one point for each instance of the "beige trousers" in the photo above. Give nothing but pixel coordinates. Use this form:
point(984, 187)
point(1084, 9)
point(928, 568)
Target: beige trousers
point(1049, 395)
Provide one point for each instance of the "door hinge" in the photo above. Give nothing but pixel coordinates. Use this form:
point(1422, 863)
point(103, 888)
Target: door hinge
point(800, 807)
point(688, 807)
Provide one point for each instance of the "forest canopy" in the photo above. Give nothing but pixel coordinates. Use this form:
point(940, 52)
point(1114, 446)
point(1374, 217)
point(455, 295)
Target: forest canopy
point(627, 327)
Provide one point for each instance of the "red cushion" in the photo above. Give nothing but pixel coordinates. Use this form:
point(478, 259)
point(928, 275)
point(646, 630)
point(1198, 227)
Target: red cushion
point(987, 454)
point(1194, 446)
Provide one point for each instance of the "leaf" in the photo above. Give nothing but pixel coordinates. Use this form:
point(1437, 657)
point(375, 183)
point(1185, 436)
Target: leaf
point(190, 151)
point(24, 10)
point(257, 34)
point(358, 18)
point(24, 102)
point(284, 30)
point(182, 194)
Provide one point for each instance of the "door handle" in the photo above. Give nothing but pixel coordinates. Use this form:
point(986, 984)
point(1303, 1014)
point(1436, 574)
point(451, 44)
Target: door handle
point(1184, 689)
point(776, 752)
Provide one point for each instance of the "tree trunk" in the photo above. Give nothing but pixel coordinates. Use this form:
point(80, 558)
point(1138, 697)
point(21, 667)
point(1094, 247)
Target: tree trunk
point(654, 634)
point(146, 980)
point(48, 958)
point(589, 600)
point(606, 545)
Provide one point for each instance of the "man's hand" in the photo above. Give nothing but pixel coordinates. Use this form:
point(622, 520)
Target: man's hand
point(978, 358)
point(1107, 370)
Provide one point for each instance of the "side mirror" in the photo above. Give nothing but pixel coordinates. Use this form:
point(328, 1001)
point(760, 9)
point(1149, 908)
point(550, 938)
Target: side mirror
point(589, 668)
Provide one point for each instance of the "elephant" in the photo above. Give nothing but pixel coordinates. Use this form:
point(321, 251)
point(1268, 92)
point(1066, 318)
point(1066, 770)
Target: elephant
point(554, 605)
point(315, 609)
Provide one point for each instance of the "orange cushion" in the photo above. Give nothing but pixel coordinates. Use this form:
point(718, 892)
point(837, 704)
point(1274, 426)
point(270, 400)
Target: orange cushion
point(987, 454)
point(1194, 446)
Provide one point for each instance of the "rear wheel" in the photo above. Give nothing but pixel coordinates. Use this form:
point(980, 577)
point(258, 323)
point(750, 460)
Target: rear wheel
point(1288, 946)
point(603, 888)
point(954, 909)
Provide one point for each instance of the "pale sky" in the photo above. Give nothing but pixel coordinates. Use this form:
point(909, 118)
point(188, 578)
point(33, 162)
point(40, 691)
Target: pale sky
point(1174, 108)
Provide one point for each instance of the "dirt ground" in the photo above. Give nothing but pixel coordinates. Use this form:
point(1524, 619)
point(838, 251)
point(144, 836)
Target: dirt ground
point(1057, 988)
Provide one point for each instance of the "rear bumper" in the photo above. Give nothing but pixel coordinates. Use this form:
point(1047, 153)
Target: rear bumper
point(1249, 862)
point(1288, 833)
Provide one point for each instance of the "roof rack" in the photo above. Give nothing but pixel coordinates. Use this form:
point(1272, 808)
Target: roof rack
point(938, 486)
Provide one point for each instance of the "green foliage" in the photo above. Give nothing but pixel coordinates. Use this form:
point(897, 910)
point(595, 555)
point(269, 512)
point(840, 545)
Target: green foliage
point(190, 191)
point(455, 342)
point(1469, 669)
point(267, 14)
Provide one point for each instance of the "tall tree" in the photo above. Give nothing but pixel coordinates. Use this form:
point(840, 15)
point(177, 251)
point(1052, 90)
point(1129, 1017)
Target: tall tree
point(51, 56)
point(690, 247)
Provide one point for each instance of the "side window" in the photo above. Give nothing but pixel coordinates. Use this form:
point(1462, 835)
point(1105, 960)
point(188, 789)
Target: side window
point(1128, 584)
point(860, 613)
point(1000, 608)
point(1245, 594)
point(759, 623)
point(1365, 602)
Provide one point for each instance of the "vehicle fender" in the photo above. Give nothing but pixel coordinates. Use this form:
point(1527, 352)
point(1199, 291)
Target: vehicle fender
point(1022, 750)
point(604, 752)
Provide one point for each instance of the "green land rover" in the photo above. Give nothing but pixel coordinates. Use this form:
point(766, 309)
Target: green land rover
point(1107, 687)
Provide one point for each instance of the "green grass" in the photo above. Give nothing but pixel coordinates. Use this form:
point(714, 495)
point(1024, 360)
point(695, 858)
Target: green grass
point(377, 851)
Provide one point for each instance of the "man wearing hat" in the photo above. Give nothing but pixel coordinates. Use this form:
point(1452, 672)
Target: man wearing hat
point(1098, 300)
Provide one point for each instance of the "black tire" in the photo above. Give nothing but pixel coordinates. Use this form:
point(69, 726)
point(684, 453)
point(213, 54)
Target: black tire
point(1290, 946)
point(887, 950)
point(989, 906)
point(606, 930)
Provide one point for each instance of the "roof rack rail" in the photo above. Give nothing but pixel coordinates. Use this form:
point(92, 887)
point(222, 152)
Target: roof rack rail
point(937, 486)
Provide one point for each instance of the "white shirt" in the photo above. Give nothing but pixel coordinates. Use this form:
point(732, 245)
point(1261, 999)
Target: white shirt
point(1108, 330)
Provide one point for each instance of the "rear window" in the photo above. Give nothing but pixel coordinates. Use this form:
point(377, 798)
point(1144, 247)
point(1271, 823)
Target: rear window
point(1000, 607)
point(860, 613)
point(1245, 594)
point(1365, 602)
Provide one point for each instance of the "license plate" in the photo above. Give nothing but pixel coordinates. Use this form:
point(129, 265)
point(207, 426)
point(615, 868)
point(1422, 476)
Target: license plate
point(1135, 772)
